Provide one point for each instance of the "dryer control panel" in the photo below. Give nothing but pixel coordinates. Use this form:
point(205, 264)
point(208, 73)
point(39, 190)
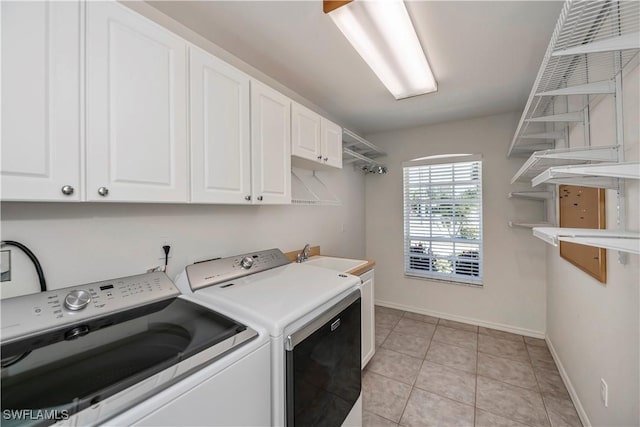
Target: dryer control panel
point(209, 273)
point(30, 314)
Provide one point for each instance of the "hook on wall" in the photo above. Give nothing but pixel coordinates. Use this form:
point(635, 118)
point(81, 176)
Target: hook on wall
point(374, 168)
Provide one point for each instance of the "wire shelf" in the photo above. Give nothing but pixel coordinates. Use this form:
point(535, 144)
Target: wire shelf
point(360, 152)
point(540, 161)
point(624, 241)
point(592, 42)
point(604, 175)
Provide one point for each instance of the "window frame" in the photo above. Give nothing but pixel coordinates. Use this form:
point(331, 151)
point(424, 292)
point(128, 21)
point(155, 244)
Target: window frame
point(461, 279)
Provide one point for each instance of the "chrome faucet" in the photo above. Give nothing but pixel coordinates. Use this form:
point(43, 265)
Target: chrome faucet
point(304, 255)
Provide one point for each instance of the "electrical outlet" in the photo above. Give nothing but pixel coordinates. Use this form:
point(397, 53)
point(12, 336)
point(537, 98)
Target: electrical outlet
point(164, 241)
point(604, 392)
point(5, 266)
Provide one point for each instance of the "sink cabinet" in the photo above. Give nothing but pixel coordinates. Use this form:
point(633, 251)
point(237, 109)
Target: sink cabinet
point(368, 319)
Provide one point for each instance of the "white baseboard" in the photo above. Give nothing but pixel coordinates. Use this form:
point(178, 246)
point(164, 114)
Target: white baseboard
point(472, 321)
point(567, 382)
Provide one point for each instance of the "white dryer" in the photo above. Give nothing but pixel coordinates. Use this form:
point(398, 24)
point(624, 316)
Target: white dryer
point(313, 317)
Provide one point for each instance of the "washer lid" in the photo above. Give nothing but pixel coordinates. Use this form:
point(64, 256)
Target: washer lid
point(278, 297)
point(155, 345)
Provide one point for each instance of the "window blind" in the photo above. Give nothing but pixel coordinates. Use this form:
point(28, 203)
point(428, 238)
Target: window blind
point(443, 219)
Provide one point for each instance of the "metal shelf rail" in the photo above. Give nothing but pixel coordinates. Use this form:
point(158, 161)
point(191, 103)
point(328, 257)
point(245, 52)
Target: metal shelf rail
point(360, 152)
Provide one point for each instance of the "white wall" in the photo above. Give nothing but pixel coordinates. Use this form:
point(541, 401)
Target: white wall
point(83, 242)
point(594, 328)
point(513, 295)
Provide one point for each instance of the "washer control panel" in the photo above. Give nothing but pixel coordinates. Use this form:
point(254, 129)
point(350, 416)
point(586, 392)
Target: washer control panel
point(28, 314)
point(209, 273)
point(77, 300)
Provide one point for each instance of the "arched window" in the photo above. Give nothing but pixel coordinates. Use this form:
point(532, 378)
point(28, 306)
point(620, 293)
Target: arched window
point(443, 218)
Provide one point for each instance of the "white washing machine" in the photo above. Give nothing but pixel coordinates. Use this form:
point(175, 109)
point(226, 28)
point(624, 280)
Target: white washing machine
point(130, 351)
point(313, 317)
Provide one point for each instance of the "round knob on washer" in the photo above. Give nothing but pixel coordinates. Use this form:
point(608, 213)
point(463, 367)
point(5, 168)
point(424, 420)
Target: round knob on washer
point(77, 300)
point(246, 262)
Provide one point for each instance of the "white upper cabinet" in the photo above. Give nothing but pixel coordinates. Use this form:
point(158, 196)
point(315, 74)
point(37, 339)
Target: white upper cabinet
point(305, 133)
point(220, 131)
point(316, 143)
point(41, 144)
point(331, 144)
point(136, 108)
point(270, 145)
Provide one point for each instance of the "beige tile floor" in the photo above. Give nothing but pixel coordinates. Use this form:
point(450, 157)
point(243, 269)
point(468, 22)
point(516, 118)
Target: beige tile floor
point(436, 372)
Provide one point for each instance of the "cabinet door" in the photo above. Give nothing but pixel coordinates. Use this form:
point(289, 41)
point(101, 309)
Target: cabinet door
point(136, 108)
point(331, 144)
point(220, 138)
point(305, 133)
point(368, 320)
point(41, 145)
point(270, 145)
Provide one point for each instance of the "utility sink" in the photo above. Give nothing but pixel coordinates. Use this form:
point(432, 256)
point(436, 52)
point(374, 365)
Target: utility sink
point(339, 264)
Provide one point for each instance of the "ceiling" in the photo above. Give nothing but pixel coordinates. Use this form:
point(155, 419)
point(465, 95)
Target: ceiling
point(484, 54)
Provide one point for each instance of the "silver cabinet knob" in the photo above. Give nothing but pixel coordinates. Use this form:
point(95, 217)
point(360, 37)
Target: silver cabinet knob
point(247, 198)
point(103, 191)
point(67, 190)
point(259, 198)
point(77, 300)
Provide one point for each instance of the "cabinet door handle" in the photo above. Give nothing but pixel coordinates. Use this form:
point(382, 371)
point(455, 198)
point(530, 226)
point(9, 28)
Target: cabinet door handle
point(319, 157)
point(259, 198)
point(326, 158)
point(103, 191)
point(67, 190)
point(247, 198)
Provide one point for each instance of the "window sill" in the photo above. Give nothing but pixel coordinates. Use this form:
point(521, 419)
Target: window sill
point(476, 285)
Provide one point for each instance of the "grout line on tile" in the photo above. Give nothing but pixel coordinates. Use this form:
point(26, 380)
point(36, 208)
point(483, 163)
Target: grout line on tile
point(446, 397)
point(412, 335)
point(502, 416)
point(380, 416)
point(455, 345)
point(512, 385)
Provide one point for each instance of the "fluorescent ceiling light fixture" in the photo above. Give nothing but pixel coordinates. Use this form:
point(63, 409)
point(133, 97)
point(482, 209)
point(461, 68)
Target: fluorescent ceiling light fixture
point(382, 33)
